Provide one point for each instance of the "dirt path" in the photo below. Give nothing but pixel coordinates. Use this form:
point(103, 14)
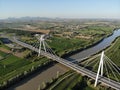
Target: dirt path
point(21, 55)
point(5, 50)
point(34, 81)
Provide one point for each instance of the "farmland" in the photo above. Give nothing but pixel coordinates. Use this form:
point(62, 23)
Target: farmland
point(13, 67)
point(65, 37)
point(83, 82)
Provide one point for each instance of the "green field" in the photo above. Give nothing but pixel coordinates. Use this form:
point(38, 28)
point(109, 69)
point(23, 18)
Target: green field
point(113, 52)
point(70, 81)
point(11, 66)
point(65, 45)
point(62, 45)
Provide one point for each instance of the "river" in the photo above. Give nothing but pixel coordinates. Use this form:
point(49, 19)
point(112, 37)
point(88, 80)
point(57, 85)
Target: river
point(96, 48)
point(36, 80)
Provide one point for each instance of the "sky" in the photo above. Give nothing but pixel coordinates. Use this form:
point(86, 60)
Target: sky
point(60, 8)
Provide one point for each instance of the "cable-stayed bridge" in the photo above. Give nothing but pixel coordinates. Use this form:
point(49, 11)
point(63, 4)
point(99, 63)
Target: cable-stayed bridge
point(98, 78)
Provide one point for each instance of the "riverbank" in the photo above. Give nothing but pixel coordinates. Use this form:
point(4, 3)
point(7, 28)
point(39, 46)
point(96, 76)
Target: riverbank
point(106, 50)
point(106, 42)
point(46, 74)
point(89, 46)
point(80, 50)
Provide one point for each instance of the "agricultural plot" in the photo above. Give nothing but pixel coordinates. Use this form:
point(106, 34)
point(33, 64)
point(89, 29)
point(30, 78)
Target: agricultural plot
point(11, 66)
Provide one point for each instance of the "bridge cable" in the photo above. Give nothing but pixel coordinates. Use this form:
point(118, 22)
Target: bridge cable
point(114, 69)
point(111, 70)
point(88, 62)
point(113, 63)
point(106, 70)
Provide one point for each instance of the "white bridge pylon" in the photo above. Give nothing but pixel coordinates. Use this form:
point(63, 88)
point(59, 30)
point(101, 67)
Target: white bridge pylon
point(41, 39)
point(100, 68)
point(43, 44)
point(107, 63)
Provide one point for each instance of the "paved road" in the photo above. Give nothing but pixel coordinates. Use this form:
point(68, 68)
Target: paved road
point(79, 69)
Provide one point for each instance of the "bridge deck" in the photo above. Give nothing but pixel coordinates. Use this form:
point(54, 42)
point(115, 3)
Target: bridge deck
point(79, 69)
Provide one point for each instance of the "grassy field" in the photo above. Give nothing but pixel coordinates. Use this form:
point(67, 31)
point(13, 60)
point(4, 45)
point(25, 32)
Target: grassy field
point(70, 81)
point(62, 45)
point(65, 84)
point(2, 54)
point(65, 45)
point(113, 52)
point(11, 66)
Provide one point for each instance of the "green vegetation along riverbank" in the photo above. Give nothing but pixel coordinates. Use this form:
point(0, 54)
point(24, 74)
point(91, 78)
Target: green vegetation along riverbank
point(69, 42)
point(74, 81)
point(13, 68)
point(113, 52)
point(71, 81)
point(61, 46)
point(110, 69)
